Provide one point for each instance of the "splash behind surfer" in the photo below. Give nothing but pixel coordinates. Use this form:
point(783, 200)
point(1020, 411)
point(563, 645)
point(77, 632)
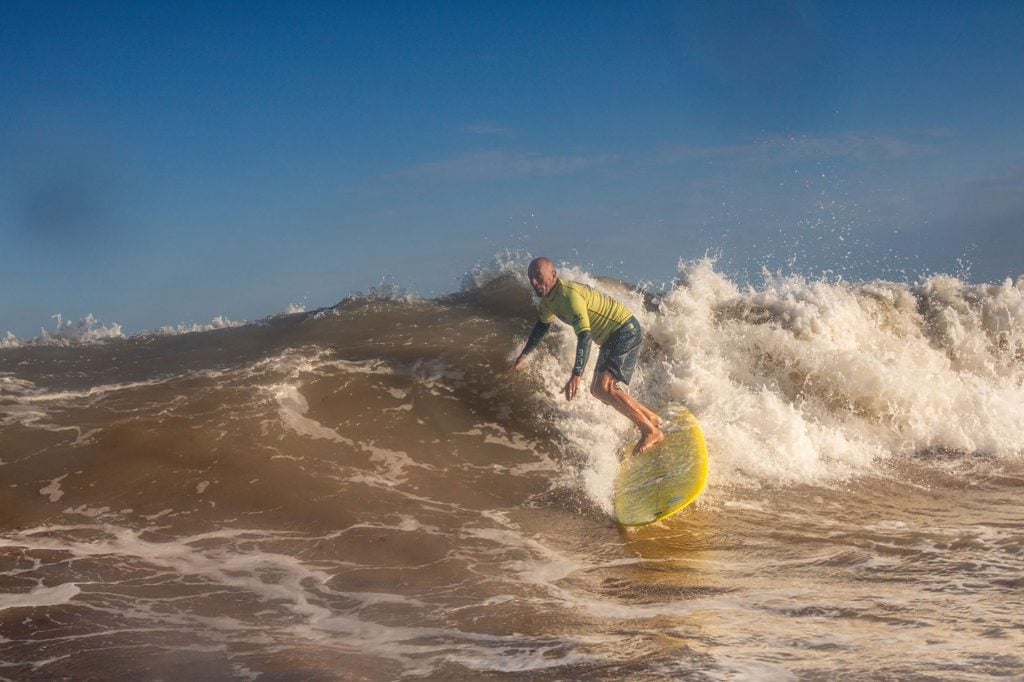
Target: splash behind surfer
point(598, 318)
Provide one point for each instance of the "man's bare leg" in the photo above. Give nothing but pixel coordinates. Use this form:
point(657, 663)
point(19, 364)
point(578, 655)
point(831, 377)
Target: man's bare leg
point(607, 391)
point(651, 416)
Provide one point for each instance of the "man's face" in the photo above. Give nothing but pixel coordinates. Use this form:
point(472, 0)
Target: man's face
point(543, 279)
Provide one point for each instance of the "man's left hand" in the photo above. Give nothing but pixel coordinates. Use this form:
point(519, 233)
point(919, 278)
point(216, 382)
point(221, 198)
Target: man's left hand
point(516, 364)
point(572, 387)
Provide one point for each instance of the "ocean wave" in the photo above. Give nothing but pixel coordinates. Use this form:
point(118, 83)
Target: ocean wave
point(795, 380)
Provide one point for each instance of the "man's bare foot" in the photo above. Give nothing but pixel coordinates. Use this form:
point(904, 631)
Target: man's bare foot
point(648, 441)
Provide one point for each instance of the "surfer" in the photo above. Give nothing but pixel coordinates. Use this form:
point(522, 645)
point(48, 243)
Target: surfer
point(595, 317)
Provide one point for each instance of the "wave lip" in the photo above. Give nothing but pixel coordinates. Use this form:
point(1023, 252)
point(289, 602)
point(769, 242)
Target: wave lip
point(67, 333)
point(89, 330)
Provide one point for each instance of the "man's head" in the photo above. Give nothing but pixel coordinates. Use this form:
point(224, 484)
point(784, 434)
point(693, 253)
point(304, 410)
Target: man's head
point(543, 276)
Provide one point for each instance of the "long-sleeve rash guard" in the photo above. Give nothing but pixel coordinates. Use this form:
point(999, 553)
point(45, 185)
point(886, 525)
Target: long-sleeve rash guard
point(593, 315)
point(585, 309)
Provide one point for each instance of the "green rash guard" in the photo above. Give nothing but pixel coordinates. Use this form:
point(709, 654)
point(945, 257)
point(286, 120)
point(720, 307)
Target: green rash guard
point(585, 309)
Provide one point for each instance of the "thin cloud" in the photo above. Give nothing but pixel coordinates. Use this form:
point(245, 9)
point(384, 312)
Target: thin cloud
point(502, 165)
point(785, 149)
point(488, 129)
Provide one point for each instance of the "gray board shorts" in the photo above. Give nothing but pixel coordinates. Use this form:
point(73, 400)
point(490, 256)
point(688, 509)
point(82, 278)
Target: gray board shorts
point(619, 353)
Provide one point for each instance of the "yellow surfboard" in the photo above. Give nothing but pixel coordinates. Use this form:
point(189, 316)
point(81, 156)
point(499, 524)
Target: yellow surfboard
point(656, 484)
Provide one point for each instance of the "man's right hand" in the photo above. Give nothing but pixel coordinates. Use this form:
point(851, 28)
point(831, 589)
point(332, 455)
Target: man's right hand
point(520, 361)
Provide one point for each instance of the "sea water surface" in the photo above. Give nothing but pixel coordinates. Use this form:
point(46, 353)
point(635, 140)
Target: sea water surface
point(360, 492)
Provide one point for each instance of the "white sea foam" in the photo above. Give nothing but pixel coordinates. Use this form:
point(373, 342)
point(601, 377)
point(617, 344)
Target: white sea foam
point(809, 381)
point(298, 364)
point(292, 366)
point(10, 340)
point(304, 593)
point(41, 596)
point(67, 333)
point(86, 511)
point(39, 396)
point(504, 264)
point(12, 385)
point(89, 330)
point(52, 490)
point(292, 409)
point(219, 322)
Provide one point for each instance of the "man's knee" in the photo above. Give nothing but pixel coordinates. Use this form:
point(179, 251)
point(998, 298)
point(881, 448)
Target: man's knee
point(603, 387)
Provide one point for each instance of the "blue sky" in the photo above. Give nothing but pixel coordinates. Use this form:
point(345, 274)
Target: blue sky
point(171, 162)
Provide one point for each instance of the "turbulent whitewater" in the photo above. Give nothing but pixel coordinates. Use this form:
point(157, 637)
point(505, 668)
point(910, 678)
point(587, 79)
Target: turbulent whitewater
point(360, 492)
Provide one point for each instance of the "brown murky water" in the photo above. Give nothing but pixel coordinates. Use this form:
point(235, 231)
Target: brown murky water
point(360, 494)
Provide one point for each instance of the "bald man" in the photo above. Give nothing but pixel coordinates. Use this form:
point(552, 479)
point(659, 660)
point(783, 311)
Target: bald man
point(599, 318)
